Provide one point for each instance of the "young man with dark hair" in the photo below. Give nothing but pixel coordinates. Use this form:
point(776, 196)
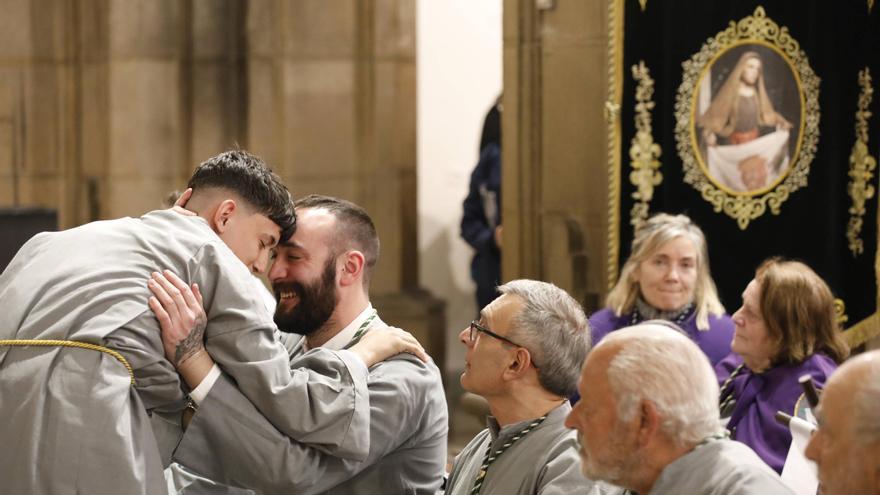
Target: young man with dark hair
point(89, 402)
point(320, 277)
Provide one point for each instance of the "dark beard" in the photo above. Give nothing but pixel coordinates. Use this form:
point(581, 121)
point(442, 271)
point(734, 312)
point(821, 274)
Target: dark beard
point(315, 306)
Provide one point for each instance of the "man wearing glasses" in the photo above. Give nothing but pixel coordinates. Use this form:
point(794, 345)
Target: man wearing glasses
point(523, 356)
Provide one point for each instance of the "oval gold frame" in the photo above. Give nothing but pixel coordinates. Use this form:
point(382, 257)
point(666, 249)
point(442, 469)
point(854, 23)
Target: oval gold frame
point(749, 205)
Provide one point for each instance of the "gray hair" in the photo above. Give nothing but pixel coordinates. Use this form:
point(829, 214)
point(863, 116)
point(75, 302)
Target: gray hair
point(866, 399)
point(658, 364)
point(554, 328)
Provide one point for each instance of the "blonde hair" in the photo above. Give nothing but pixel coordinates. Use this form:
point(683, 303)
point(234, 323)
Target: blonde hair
point(656, 232)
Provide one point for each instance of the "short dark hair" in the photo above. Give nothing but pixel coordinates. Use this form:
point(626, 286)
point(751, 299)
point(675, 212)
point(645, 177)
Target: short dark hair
point(355, 229)
point(248, 176)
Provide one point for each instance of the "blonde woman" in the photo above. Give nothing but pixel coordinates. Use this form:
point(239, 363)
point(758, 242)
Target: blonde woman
point(667, 277)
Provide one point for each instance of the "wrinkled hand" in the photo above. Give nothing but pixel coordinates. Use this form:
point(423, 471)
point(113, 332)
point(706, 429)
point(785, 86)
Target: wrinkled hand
point(381, 343)
point(181, 316)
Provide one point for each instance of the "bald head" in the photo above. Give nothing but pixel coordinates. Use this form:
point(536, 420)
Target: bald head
point(846, 446)
point(654, 362)
point(859, 381)
point(648, 396)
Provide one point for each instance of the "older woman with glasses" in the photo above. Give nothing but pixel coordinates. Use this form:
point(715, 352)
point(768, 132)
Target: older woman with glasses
point(667, 277)
point(785, 328)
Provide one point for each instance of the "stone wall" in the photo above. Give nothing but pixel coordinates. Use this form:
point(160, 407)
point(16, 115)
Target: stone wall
point(555, 180)
point(107, 105)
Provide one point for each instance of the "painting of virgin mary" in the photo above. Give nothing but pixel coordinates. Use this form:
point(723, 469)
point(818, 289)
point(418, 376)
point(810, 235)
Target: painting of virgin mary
point(746, 142)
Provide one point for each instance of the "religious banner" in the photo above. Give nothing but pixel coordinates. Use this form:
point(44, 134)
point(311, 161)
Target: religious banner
point(757, 119)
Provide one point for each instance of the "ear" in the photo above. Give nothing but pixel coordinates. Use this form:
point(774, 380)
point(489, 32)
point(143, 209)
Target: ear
point(519, 365)
point(223, 214)
point(649, 422)
point(352, 271)
point(634, 274)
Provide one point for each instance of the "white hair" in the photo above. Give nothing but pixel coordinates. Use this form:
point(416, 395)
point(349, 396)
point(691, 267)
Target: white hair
point(659, 364)
point(554, 328)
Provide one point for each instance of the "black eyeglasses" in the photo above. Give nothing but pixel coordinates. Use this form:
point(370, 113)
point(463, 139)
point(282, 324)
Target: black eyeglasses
point(476, 327)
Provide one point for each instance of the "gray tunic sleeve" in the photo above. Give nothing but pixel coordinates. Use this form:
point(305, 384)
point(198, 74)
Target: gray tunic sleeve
point(321, 400)
point(257, 456)
point(562, 473)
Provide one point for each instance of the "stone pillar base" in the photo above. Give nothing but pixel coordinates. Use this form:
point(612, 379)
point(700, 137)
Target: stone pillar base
point(420, 313)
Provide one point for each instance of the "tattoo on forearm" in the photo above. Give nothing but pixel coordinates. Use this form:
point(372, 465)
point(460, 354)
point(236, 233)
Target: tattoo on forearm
point(192, 344)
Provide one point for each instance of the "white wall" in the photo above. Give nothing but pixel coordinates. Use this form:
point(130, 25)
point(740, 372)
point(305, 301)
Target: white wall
point(458, 51)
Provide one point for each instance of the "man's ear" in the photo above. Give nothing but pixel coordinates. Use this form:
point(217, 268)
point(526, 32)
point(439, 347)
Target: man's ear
point(520, 363)
point(223, 214)
point(352, 271)
point(649, 422)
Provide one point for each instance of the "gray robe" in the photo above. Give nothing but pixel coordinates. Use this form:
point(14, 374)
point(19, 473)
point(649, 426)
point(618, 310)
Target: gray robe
point(719, 467)
point(72, 422)
point(545, 461)
point(408, 430)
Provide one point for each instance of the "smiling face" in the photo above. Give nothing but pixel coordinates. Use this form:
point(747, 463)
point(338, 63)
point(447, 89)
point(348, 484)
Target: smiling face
point(487, 357)
point(303, 274)
point(751, 339)
point(667, 277)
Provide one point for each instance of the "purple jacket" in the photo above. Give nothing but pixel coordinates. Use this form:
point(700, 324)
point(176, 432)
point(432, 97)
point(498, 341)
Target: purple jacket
point(715, 342)
point(760, 395)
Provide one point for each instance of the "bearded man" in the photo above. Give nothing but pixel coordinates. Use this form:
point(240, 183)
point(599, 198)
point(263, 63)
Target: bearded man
point(321, 278)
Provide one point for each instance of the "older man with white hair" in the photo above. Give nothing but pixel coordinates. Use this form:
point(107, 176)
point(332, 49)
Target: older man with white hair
point(648, 419)
point(847, 444)
point(523, 357)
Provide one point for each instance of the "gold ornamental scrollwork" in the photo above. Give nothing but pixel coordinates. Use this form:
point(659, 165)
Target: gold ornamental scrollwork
point(643, 152)
point(861, 167)
point(757, 190)
point(840, 312)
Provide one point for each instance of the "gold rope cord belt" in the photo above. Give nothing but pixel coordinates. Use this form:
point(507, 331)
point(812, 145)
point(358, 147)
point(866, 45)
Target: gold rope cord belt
point(70, 343)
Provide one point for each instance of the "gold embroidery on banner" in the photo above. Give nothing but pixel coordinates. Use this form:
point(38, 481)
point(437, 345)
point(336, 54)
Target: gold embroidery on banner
point(861, 167)
point(862, 331)
point(612, 118)
point(840, 312)
point(644, 152)
point(644, 3)
point(746, 206)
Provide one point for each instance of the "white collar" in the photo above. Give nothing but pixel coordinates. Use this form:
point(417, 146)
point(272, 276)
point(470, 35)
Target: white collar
point(345, 335)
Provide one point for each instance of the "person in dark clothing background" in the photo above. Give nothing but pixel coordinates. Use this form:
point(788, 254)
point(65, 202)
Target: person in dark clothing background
point(481, 221)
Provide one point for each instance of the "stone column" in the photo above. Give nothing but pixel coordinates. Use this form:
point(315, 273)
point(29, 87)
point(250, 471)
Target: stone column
point(177, 90)
point(107, 105)
point(555, 178)
point(331, 104)
point(39, 106)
